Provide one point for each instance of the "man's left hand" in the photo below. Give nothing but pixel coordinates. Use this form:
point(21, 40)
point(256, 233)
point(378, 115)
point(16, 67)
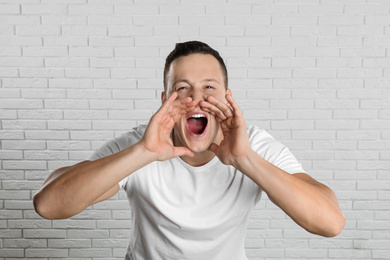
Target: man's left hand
point(235, 143)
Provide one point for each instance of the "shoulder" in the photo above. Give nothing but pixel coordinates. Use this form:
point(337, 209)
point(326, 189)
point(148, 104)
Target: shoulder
point(273, 151)
point(119, 143)
point(259, 136)
point(127, 139)
point(264, 143)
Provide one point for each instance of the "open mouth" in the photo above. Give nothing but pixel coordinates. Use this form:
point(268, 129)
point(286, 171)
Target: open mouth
point(197, 123)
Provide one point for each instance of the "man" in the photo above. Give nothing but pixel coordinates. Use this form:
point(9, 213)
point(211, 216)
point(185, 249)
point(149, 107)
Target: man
point(194, 173)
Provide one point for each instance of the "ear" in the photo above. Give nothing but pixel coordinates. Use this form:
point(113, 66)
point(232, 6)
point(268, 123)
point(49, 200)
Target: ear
point(229, 92)
point(163, 97)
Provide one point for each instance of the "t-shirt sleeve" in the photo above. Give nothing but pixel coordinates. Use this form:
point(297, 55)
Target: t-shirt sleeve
point(273, 151)
point(118, 144)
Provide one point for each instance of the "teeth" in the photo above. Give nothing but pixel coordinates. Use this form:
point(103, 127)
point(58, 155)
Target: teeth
point(197, 116)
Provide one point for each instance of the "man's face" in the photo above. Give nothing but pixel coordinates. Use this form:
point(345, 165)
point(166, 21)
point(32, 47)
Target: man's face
point(197, 76)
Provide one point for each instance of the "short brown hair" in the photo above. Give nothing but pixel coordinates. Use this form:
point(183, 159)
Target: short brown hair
point(193, 47)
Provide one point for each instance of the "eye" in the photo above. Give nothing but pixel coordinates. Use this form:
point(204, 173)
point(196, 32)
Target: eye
point(209, 87)
point(181, 88)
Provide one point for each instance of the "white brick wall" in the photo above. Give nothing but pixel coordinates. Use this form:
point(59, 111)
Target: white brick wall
point(76, 73)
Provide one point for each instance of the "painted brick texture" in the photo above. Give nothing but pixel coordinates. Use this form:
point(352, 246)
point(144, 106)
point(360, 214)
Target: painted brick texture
point(315, 74)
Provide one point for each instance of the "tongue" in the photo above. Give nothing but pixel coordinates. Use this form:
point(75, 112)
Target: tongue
point(197, 126)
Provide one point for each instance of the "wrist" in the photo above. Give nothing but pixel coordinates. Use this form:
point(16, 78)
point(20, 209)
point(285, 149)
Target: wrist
point(144, 153)
point(245, 162)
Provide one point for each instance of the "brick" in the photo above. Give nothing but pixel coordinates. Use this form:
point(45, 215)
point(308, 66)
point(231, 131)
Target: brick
point(37, 30)
point(8, 114)
point(270, 73)
point(29, 224)
point(90, 252)
point(71, 115)
point(251, 42)
point(336, 103)
point(73, 62)
point(19, 19)
point(151, 20)
point(363, 52)
point(68, 145)
point(21, 185)
point(24, 145)
point(41, 72)
point(11, 135)
point(46, 135)
point(228, 9)
point(70, 223)
point(87, 72)
point(323, 30)
point(372, 9)
point(335, 145)
point(7, 252)
point(310, 51)
point(46, 155)
point(88, 94)
point(114, 243)
point(64, 40)
point(90, 234)
point(251, 24)
point(25, 243)
point(314, 73)
point(181, 9)
point(136, 10)
point(83, 30)
point(337, 124)
point(292, 124)
point(32, 252)
point(68, 125)
point(313, 93)
point(305, 114)
point(21, 103)
point(339, 62)
point(24, 165)
point(316, 134)
point(44, 233)
point(66, 104)
point(43, 93)
point(69, 243)
point(312, 253)
point(293, 62)
point(64, 19)
point(222, 31)
point(99, 9)
point(115, 83)
point(9, 154)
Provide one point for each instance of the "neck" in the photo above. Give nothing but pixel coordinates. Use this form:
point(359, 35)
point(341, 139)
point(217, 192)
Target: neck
point(200, 158)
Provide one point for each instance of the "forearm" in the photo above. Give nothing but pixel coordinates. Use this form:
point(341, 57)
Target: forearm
point(68, 191)
point(309, 203)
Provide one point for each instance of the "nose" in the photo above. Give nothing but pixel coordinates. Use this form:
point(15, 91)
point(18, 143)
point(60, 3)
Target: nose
point(198, 96)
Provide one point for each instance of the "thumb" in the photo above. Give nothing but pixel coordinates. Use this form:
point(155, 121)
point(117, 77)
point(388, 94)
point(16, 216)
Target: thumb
point(214, 148)
point(180, 151)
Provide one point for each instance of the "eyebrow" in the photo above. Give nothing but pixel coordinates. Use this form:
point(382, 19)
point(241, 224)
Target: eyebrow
point(190, 83)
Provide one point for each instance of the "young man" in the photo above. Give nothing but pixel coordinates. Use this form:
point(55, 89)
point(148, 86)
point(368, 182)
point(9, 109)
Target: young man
point(194, 173)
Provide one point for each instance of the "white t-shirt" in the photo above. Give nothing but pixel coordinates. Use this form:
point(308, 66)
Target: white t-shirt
point(194, 213)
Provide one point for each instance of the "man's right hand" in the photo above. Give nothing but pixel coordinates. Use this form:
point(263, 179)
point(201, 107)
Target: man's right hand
point(157, 139)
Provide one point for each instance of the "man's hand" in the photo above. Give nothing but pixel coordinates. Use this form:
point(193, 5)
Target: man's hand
point(235, 144)
point(156, 139)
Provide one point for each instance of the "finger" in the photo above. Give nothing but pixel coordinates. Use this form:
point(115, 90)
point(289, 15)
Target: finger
point(182, 151)
point(212, 109)
point(234, 105)
point(221, 106)
point(171, 99)
point(214, 148)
